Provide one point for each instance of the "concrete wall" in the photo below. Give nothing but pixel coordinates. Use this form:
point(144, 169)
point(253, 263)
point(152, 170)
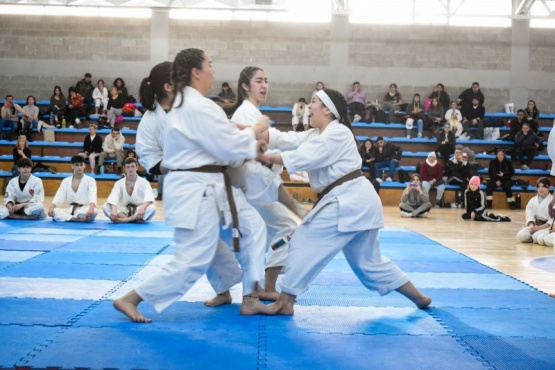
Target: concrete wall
point(513, 64)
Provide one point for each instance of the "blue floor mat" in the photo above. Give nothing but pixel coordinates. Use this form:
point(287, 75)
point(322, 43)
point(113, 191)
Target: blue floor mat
point(129, 240)
point(339, 264)
point(52, 231)
point(39, 238)
point(45, 312)
point(528, 299)
point(287, 350)
point(485, 322)
point(465, 281)
point(5, 264)
point(515, 353)
point(10, 245)
point(141, 347)
point(98, 258)
point(430, 253)
point(19, 342)
point(68, 271)
point(111, 248)
point(544, 263)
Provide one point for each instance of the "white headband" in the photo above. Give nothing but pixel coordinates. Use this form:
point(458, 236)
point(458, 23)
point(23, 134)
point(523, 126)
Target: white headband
point(328, 103)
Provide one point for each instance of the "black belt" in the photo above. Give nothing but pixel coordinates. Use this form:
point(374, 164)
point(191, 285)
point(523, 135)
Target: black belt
point(229, 190)
point(350, 176)
point(131, 209)
point(75, 206)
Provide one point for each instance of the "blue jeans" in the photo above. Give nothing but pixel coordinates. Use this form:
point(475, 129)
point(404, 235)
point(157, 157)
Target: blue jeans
point(420, 125)
point(391, 164)
point(12, 126)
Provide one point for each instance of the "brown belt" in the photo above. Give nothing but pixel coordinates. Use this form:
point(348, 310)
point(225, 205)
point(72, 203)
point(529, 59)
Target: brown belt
point(229, 190)
point(350, 176)
point(75, 206)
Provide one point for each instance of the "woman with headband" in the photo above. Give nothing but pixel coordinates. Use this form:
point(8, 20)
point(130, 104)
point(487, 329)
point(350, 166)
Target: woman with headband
point(348, 213)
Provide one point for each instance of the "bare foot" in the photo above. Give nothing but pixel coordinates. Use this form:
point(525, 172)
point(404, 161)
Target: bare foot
point(279, 308)
point(268, 295)
point(423, 302)
point(219, 300)
point(552, 295)
point(128, 306)
point(251, 306)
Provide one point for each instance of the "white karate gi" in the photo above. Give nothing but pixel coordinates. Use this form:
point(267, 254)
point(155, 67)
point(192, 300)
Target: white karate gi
point(449, 115)
point(150, 137)
point(551, 148)
point(300, 115)
point(85, 195)
point(535, 211)
point(33, 192)
point(198, 133)
point(119, 197)
point(347, 218)
point(260, 185)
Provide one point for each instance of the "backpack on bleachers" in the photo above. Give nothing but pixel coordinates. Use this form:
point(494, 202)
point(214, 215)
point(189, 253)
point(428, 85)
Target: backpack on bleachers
point(380, 116)
point(403, 176)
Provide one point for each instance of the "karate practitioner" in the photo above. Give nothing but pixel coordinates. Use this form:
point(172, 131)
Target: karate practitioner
point(199, 142)
point(263, 186)
point(24, 195)
point(78, 192)
point(156, 95)
point(537, 215)
point(131, 198)
point(348, 214)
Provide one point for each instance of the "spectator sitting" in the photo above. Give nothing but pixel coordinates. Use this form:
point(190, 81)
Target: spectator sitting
point(57, 107)
point(415, 112)
point(441, 95)
point(75, 107)
point(537, 214)
point(446, 142)
point(532, 113)
point(113, 148)
point(115, 105)
point(21, 150)
point(474, 116)
point(515, 126)
point(81, 203)
point(367, 152)
point(85, 88)
point(392, 101)
point(30, 117)
point(388, 155)
point(457, 172)
point(319, 86)
point(500, 173)
point(100, 96)
point(415, 201)
point(131, 199)
point(454, 117)
point(9, 117)
point(475, 207)
point(431, 173)
point(24, 195)
point(227, 95)
point(300, 114)
point(526, 144)
point(434, 121)
point(92, 147)
point(466, 97)
point(122, 90)
point(356, 99)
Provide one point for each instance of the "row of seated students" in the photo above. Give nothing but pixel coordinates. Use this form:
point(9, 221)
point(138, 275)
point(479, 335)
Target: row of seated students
point(112, 103)
point(131, 199)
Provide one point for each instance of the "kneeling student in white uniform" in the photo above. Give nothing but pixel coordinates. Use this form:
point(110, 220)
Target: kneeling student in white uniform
point(78, 192)
point(131, 199)
point(348, 213)
point(24, 195)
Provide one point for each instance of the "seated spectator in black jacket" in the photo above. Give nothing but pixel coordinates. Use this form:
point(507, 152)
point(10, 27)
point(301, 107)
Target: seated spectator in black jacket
point(526, 144)
point(367, 153)
point(474, 117)
point(457, 171)
point(500, 173)
point(466, 97)
point(388, 155)
point(515, 126)
point(442, 97)
point(446, 142)
point(92, 147)
point(532, 113)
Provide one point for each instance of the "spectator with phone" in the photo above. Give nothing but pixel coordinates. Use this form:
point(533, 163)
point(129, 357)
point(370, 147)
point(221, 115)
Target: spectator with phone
point(415, 201)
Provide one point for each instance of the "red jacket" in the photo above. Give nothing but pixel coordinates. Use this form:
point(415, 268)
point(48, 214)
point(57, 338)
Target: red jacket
point(428, 173)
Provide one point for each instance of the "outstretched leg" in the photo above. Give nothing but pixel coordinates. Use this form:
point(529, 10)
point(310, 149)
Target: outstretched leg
point(409, 290)
point(128, 305)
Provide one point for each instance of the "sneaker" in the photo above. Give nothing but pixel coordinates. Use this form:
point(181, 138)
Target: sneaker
point(356, 118)
point(423, 215)
point(406, 214)
point(437, 205)
point(379, 180)
point(454, 205)
point(71, 126)
point(388, 179)
point(77, 121)
point(58, 125)
point(408, 136)
point(524, 167)
point(420, 135)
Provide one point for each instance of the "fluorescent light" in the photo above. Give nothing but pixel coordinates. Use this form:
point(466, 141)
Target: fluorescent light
point(480, 22)
point(204, 14)
point(542, 23)
point(384, 18)
point(76, 11)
